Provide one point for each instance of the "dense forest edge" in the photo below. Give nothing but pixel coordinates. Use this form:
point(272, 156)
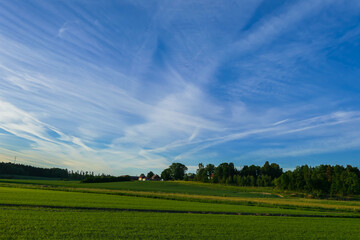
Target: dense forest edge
point(9, 169)
point(319, 181)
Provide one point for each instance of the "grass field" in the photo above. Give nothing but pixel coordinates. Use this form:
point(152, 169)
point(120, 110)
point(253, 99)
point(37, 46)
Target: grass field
point(53, 209)
point(49, 198)
point(164, 187)
point(22, 223)
point(192, 191)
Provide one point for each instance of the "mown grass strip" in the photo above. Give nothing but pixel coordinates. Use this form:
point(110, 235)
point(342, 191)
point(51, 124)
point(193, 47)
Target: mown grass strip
point(173, 211)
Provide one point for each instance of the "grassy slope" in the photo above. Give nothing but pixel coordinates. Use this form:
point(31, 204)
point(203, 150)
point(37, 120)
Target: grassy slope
point(165, 187)
point(200, 192)
point(48, 224)
point(78, 199)
point(45, 223)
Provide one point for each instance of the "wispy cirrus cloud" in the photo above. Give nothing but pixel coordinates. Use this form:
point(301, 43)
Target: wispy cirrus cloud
point(148, 84)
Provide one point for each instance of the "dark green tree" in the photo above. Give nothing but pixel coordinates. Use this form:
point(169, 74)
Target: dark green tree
point(210, 168)
point(166, 174)
point(201, 173)
point(149, 175)
point(177, 171)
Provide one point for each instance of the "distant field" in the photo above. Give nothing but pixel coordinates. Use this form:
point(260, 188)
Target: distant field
point(52, 209)
point(165, 187)
point(92, 200)
point(189, 191)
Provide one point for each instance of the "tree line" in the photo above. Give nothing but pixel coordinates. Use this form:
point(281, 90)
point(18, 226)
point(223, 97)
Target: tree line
point(27, 170)
point(9, 168)
point(105, 178)
point(323, 180)
point(226, 173)
point(84, 176)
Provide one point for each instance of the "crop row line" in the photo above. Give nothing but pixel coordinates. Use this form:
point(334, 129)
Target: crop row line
point(169, 211)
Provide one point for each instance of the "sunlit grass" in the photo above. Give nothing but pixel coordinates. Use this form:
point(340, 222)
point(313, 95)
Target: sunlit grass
point(286, 203)
point(24, 223)
point(34, 210)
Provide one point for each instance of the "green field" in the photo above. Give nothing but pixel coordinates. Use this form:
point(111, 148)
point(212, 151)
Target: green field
point(53, 209)
point(25, 223)
point(24, 197)
point(165, 187)
point(191, 191)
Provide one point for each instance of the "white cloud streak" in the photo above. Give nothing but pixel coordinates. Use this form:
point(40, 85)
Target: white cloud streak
point(85, 90)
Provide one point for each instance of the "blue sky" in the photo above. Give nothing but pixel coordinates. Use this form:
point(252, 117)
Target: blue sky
point(125, 87)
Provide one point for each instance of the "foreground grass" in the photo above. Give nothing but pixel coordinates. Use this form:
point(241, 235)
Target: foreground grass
point(27, 212)
point(25, 223)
